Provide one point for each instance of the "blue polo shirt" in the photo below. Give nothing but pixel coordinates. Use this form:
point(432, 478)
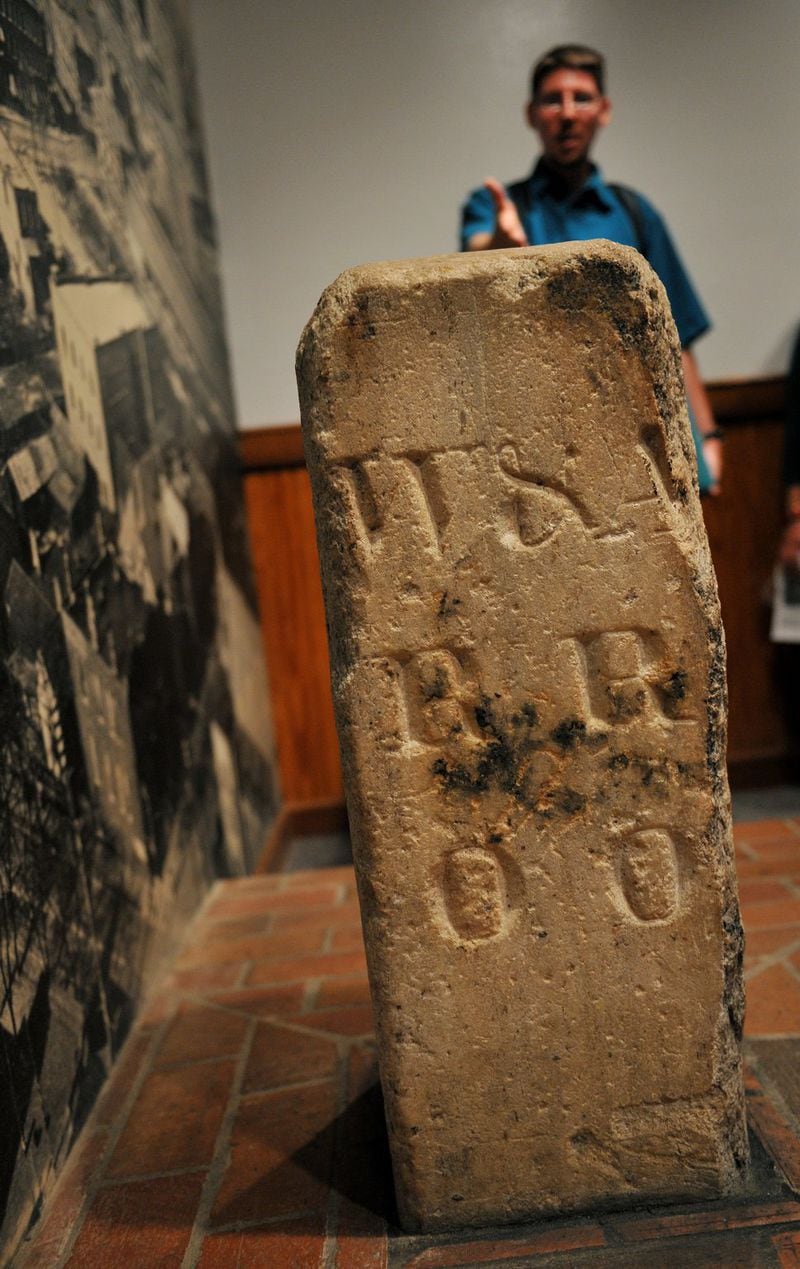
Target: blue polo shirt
point(548, 216)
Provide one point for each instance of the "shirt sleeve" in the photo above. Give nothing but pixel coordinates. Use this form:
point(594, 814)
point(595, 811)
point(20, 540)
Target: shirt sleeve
point(690, 317)
point(477, 215)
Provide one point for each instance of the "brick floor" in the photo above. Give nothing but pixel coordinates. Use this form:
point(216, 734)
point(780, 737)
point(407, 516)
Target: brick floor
point(243, 1124)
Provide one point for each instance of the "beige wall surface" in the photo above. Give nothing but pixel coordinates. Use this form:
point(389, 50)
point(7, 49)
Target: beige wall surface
point(346, 132)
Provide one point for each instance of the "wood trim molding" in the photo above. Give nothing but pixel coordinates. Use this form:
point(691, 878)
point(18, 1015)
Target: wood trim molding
point(299, 819)
point(748, 400)
point(732, 400)
point(271, 448)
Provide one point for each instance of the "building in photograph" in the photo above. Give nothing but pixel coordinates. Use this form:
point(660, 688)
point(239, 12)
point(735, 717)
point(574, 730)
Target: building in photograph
point(99, 324)
point(25, 65)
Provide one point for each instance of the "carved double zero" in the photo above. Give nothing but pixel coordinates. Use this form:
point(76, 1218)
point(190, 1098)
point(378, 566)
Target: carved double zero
point(477, 887)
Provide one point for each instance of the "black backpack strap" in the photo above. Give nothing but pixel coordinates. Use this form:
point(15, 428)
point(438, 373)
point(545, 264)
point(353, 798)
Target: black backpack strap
point(632, 203)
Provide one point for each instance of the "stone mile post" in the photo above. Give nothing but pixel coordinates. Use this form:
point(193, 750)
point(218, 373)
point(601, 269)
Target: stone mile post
point(529, 679)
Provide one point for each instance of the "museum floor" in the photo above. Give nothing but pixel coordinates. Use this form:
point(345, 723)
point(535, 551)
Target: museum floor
point(242, 1126)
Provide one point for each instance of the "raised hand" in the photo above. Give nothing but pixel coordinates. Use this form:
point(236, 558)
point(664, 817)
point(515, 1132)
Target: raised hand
point(508, 230)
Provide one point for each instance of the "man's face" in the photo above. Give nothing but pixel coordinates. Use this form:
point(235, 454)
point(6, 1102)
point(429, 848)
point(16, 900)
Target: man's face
point(567, 113)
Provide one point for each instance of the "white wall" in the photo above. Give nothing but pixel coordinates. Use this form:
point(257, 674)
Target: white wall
point(342, 131)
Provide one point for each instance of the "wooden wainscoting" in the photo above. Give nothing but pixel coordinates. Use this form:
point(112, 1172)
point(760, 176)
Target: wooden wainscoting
point(744, 525)
point(284, 545)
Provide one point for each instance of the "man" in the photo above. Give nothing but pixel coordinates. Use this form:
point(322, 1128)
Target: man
point(565, 198)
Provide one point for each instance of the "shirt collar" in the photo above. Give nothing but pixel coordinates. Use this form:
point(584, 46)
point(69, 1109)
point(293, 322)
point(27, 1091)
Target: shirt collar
point(542, 181)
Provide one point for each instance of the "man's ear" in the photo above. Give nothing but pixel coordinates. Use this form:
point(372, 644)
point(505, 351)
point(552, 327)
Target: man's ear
point(604, 115)
point(529, 115)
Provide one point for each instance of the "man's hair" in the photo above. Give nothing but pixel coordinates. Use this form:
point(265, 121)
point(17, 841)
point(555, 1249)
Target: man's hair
point(573, 57)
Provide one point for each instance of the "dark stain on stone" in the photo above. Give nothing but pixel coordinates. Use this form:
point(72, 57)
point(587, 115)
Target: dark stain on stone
point(499, 763)
point(624, 705)
point(569, 800)
point(607, 285)
point(569, 733)
point(654, 774)
point(455, 777)
point(562, 798)
point(527, 716)
point(716, 699)
point(734, 939)
point(436, 688)
point(447, 606)
point(359, 319)
point(673, 691)
point(618, 761)
point(483, 716)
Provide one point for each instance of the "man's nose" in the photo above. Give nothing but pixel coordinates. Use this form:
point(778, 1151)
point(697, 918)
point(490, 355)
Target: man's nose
point(568, 106)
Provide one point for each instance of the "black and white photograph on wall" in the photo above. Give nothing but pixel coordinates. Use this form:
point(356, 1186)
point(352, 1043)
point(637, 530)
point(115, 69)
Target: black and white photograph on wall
point(136, 760)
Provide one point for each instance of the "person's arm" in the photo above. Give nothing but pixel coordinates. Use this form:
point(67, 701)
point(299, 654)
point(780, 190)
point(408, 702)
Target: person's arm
point(704, 418)
point(789, 550)
point(508, 230)
point(692, 321)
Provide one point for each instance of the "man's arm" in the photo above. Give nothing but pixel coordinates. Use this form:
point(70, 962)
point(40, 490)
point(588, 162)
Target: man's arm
point(704, 418)
point(508, 231)
point(789, 549)
point(692, 321)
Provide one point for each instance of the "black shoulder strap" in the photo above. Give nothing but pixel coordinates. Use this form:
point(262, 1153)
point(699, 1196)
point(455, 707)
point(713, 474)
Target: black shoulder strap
point(632, 204)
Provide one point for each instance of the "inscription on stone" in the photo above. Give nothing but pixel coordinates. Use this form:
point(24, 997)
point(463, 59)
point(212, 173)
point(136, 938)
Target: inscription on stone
point(649, 875)
point(474, 893)
point(528, 672)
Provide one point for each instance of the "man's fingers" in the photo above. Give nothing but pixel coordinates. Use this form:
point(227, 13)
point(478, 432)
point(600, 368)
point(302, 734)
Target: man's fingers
point(508, 230)
point(498, 193)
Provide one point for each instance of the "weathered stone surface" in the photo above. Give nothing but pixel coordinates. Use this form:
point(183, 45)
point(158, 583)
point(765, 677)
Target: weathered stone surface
point(528, 669)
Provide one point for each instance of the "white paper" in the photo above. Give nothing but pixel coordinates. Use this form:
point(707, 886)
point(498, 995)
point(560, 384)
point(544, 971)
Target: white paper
point(785, 606)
